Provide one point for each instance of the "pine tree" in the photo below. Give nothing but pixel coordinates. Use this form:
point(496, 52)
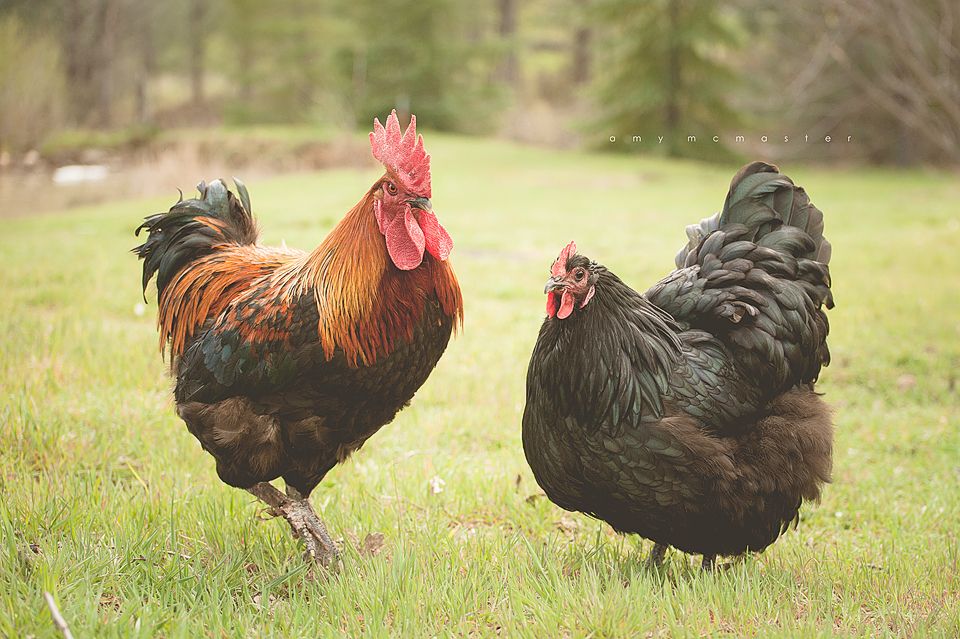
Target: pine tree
point(665, 73)
point(432, 57)
point(282, 58)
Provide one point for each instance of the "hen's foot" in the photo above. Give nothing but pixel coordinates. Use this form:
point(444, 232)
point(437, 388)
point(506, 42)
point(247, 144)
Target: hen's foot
point(710, 563)
point(298, 512)
point(656, 555)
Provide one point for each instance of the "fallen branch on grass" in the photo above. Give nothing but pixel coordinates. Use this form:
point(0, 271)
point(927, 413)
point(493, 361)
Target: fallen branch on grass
point(58, 619)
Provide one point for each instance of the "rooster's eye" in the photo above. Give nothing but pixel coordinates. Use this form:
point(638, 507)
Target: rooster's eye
point(391, 188)
point(579, 273)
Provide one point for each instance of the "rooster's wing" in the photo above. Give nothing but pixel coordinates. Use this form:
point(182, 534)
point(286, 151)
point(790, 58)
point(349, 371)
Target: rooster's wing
point(258, 345)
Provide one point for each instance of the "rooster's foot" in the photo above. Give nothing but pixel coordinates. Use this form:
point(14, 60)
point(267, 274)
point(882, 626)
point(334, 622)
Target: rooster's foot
point(320, 547)
point(303, 520)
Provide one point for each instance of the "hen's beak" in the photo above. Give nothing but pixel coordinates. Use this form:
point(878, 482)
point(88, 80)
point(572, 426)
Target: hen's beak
point(422, 203)
point(553, 284)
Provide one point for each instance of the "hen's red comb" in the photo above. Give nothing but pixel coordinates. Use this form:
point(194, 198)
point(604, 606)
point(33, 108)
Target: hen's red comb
point(403, 155)
point(560, 265)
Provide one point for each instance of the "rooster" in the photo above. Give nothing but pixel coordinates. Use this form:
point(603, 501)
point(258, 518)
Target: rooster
point(286, 361)
point(687, 414)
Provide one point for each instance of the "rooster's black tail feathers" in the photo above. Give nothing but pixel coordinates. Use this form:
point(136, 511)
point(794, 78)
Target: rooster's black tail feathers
point(193, 228)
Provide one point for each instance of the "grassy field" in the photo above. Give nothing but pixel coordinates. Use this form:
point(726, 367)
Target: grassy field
point(109, 503)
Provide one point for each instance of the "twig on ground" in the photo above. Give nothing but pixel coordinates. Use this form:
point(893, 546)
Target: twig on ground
point(58, 619)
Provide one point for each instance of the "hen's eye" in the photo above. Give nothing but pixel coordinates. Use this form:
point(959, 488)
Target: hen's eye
point(579, 273)
point(391, 188)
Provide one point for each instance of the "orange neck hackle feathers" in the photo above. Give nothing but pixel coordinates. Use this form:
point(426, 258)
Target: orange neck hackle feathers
point(365, 304)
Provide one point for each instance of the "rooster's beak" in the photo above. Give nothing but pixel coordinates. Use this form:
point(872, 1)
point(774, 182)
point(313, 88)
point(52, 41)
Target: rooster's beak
point(422, 203)
point(553, 284)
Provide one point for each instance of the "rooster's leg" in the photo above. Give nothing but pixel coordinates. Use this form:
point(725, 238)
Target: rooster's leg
point(304, 522)
point(656, 555)
point(329, 554)
point(708, 562)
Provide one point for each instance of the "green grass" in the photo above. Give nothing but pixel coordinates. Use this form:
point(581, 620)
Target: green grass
point(112, 506)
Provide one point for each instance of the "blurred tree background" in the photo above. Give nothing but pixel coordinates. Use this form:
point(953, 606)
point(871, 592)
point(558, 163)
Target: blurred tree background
point(668, 66)
point(554, 72)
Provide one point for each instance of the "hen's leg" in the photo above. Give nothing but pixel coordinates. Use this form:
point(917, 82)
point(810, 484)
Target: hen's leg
point(304, 522)
point(708, 562)
point(657, 555)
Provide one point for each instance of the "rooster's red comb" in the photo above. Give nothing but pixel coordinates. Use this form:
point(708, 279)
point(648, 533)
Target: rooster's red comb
point(560, 265)
point(403, 155)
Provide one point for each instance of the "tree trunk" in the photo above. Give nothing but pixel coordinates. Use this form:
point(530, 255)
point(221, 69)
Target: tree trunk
point(198, 49)
point(507, 31)
point(359, 79)
point(106, 38)
point(672, 106)
point(147, 63)
point(79, 61)
point(243, 37)
point(582, 55)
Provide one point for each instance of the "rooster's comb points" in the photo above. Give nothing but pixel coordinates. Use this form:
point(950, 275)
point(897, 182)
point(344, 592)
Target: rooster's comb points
point(560, 265)
point(402, 154)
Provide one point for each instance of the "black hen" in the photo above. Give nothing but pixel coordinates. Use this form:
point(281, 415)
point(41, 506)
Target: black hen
point(687, 414)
